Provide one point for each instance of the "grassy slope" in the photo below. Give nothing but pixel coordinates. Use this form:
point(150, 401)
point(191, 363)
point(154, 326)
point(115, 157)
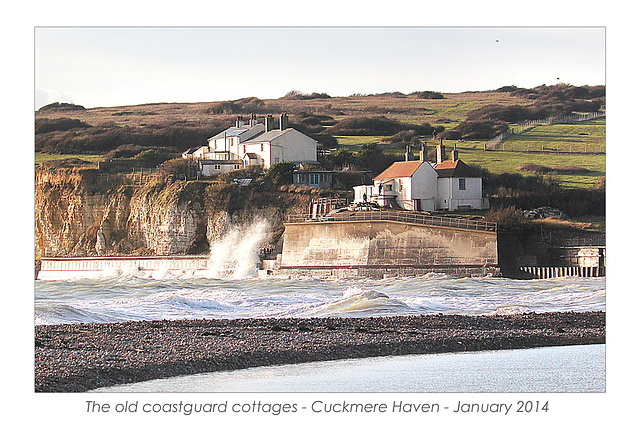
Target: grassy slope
point(447, 112)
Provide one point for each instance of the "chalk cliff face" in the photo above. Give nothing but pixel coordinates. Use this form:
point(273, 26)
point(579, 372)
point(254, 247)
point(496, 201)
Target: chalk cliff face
point(81, 213)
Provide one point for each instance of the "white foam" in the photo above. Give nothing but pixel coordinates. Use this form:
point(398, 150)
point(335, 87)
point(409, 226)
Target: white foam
point(235, 255)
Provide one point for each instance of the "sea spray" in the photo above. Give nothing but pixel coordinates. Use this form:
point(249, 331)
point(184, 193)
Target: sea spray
point(236, 254)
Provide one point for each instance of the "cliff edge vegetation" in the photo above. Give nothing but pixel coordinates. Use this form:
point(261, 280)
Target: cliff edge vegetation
point(80, 212)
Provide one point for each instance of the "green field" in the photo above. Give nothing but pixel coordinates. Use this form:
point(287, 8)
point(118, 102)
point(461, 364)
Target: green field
point(587, 136)
point(577, 138)
point(44, 157)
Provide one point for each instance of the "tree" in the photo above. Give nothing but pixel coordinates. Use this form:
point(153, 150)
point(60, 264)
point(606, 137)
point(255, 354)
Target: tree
point(178, 167)
point(280, 174)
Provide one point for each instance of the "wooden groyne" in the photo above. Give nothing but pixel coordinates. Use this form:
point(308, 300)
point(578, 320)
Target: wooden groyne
point(535, 272)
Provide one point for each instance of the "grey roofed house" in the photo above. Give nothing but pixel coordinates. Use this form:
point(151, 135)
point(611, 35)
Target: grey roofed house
point(271, 142)
point(257, 135)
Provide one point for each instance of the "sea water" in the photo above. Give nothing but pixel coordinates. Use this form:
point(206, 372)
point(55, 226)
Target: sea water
point(127, 298)
point(567, 369)
point(232, 290)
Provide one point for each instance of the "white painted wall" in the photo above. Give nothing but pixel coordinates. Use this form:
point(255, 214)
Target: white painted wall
point(210, 170)
point(421, 186)
point(450, 197)
point(359, 192)
point(293, 146)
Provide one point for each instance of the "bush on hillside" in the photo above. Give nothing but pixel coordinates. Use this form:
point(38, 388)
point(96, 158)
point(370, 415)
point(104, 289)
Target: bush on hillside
point(482, 129)
point(296, 94)
point(280, 174)
point(379, 125)
point(178, 167)
point(62, 124)
point(61, 106)
point(449, 135)
point(126, 151)
point(402, 137)
point(154, 157)
point(511, 88)
point(108, 137)
point(427, 94)
point(369, 157)
point(507, 113)
point(529, 192)
point(509, 217)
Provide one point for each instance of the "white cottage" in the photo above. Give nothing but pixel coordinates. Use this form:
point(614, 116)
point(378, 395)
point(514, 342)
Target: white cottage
point(422, 186)
point(258, 144)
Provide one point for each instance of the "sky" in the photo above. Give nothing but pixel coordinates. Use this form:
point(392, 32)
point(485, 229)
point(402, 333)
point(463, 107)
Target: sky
point(115, 66)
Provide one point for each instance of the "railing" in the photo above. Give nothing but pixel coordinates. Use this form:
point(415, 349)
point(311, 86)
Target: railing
point(409, 217)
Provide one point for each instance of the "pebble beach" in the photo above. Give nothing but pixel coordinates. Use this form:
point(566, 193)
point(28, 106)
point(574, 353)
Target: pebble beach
point(82, 357)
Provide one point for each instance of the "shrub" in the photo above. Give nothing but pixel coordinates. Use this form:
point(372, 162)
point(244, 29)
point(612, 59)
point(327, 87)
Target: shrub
point(427, 94)
point(484, 129)
point(280, 174)
point(379, 125)
point(61, 124)
point(403, 136)
point(296, 94)
point(510, 88)
point(449, 134)
point(178, 167)
point(154, 157)
point(509, 217)
point(341, 158)
point(126, 151)
point(507, 113)
point(61, 106)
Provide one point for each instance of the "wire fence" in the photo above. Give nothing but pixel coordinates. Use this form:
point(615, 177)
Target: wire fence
point(137, 176)
point(522, 127)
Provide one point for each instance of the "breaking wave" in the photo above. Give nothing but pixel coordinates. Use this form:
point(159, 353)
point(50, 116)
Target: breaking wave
point(236, 254)
point(117, 299)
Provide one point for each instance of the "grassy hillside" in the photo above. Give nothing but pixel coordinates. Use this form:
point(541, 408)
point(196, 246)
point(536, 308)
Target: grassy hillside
point(117, 132)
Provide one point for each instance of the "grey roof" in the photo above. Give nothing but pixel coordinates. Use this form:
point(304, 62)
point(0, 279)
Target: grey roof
point(232, 131)
point(267, 136)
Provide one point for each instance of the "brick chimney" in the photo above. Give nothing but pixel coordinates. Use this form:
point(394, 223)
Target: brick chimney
point(454, 153)
point(269, 123)
point(440, 153)
point(408, 155)
point(284, 121)
point(423, 152)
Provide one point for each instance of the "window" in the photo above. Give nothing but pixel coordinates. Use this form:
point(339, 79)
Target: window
point(462, 184)
point(236, 166)
point(388, 187)
point(216, 166)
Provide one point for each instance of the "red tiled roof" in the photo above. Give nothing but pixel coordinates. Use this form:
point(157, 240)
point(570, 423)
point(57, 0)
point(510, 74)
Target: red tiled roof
point(448, 169)
point(400, 170)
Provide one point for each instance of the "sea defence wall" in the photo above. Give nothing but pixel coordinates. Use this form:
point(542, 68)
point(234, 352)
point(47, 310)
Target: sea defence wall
point(89, 267)
point(379, 248)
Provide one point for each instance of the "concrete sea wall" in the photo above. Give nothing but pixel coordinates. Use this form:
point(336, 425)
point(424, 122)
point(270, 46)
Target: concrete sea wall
point(63, 268)
point(374, 248)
